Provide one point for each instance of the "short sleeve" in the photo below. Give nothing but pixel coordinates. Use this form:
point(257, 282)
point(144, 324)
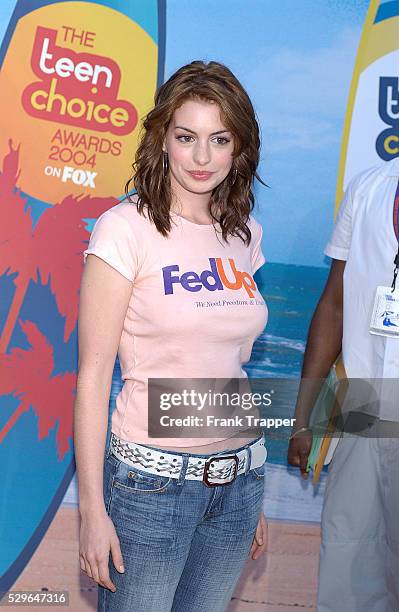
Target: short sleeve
point(113, 241)
point(339, 244)
point(257, 256)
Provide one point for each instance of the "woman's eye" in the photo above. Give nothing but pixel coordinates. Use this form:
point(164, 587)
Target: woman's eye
point(184, 138)
point(221, 140)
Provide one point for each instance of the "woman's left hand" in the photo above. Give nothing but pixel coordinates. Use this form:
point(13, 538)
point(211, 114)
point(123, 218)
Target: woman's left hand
point(259, 544)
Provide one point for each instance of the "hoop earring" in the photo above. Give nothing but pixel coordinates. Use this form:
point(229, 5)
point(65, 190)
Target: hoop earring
point(165, 163)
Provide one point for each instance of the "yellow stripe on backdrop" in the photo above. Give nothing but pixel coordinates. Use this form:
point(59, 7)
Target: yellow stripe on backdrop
point(362, 61)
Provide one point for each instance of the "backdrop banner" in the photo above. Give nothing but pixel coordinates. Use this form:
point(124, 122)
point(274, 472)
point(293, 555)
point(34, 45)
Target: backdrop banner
point(76, 80)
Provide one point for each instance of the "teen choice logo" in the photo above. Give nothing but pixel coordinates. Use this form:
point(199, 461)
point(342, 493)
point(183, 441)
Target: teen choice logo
point(74, 85)
point(387, 143)
point(79, 89)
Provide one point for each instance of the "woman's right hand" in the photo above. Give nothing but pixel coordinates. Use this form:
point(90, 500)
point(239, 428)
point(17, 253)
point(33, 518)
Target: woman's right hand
point(97, 538)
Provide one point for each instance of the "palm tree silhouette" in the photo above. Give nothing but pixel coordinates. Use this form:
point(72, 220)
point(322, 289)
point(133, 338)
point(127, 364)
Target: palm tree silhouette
point(27, 376)
point(53, 248)
point(51, 253)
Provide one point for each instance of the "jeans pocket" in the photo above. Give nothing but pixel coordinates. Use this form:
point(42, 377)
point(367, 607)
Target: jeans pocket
point(259, 472)
point(132, 480)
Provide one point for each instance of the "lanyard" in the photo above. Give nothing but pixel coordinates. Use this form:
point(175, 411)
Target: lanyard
point(396, 228)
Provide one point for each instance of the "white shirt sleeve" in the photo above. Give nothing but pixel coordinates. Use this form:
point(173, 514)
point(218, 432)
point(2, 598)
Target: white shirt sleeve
point(339, 244)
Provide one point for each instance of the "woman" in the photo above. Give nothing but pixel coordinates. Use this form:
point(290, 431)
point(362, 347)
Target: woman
point(168, 284)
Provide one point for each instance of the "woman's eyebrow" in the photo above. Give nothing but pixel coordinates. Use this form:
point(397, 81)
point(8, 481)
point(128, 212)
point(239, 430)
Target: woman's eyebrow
point(180, 127)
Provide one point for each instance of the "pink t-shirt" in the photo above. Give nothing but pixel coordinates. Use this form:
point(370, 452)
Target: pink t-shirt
point(194, 311)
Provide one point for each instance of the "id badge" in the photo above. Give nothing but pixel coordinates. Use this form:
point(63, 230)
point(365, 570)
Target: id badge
point(385, 317)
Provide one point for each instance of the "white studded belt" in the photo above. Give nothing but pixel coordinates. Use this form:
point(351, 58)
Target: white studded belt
point(213, 470)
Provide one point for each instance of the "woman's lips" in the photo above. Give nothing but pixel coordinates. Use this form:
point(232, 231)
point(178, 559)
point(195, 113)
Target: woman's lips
point(200, 175)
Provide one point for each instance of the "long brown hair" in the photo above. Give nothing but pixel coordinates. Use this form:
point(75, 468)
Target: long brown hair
point(231, 201)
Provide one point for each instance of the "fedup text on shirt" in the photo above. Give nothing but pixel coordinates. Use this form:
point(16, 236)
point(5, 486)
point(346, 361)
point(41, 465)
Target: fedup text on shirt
point(214, 279)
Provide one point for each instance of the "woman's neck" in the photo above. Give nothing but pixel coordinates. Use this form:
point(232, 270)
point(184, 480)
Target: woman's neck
point(191, 206)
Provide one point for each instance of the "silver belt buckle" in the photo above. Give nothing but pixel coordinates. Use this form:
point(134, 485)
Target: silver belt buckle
point(205, 478)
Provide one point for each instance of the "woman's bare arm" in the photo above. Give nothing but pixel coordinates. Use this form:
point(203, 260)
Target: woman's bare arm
point(104, 299)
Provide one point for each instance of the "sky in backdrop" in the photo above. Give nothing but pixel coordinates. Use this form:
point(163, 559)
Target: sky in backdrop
point(296, 61)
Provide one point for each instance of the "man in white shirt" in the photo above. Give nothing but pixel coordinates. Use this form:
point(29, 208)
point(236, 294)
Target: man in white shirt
point(359, 557)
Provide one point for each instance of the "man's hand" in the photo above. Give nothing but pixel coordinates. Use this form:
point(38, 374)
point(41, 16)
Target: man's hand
point(298, 451)
point(259, 543)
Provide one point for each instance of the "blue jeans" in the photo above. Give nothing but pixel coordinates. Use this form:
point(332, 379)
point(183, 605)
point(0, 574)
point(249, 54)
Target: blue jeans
point(183, 544)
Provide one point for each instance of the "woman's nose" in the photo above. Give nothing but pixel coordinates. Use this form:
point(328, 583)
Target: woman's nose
point(201, 153)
